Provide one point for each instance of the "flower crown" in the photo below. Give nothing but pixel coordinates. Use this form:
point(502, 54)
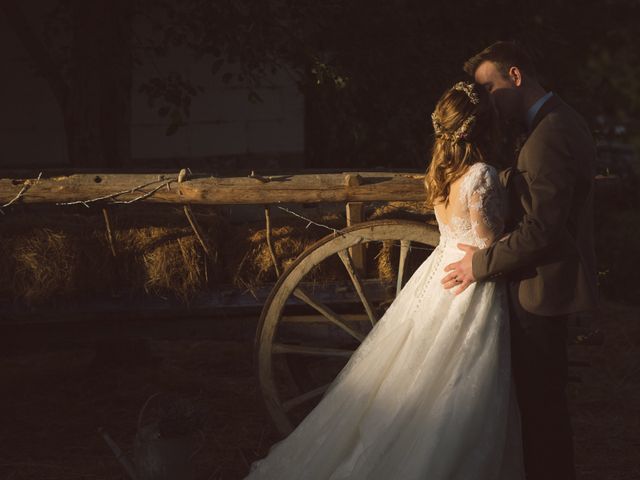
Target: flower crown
point(463, 131)
point(468, 89)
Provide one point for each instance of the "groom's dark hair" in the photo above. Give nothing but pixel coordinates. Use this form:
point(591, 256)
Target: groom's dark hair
point(504, 54)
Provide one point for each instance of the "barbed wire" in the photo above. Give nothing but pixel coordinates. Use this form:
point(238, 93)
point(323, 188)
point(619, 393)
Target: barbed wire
point(112, 196)
point(341, 233)
point(27, 185)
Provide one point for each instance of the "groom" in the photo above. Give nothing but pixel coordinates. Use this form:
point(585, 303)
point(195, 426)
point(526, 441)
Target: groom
point(548, 258)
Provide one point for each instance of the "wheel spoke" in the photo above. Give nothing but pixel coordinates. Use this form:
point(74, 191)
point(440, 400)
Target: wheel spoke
point(329, 314)
point(307, 350)
point(404, 248)
point(295, 401)
point(351, 317)
point(357, 283)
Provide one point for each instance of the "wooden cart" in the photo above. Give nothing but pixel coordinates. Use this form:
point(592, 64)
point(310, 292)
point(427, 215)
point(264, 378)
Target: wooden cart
point(307, 329)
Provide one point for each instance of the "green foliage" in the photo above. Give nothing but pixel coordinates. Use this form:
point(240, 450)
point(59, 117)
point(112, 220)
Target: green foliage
point(174, 93)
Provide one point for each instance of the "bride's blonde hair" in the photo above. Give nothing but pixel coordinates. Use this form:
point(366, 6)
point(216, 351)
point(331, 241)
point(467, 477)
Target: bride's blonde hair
point(465, 127)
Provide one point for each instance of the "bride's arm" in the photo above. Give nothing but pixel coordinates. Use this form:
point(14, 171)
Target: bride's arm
point(485, 211)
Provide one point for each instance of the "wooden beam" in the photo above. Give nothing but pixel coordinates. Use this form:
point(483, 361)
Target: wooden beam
point(209, 190)
point(85, 188)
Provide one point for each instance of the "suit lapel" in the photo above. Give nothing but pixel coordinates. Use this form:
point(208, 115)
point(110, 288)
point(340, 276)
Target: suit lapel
point(551, 104)
point(507, 173)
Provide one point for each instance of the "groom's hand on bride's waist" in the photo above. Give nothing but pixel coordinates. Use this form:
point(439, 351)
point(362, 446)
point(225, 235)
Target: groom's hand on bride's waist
point(460, 273)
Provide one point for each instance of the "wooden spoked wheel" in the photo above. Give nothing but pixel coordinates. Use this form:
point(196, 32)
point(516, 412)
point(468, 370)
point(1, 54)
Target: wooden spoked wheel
point(301, 342)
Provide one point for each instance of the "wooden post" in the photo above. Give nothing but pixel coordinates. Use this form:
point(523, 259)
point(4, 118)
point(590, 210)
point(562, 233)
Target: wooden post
point(355, 214)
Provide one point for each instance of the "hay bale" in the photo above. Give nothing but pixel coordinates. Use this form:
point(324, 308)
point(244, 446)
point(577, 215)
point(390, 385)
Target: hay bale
point(289, 241)
point(417, 211)
point(163, 256)
point(46, 265)
point(386, 262)
point(164, 261)
point(387, 255)
point(62, 256)
point(42, 260)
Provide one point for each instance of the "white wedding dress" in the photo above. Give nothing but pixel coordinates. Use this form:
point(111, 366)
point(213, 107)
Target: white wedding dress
point(428, 394)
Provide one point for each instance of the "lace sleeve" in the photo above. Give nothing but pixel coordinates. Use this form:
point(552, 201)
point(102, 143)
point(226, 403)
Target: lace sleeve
point(486, 200)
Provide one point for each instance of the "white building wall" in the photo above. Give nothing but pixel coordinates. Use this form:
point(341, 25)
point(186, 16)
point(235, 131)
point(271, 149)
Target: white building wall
point(222, 121)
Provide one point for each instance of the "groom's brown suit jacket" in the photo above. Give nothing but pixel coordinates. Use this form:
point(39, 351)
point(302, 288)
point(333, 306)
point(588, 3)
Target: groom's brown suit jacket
point(550, 251)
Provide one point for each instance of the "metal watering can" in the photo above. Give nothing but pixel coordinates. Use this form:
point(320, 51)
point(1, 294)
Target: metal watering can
point(163, 448)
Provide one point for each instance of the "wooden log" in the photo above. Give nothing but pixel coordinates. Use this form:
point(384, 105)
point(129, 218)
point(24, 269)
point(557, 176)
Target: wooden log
point(95, 188)
point(88, 189)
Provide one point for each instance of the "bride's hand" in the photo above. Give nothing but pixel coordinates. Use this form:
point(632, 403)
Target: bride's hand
point(461, 272)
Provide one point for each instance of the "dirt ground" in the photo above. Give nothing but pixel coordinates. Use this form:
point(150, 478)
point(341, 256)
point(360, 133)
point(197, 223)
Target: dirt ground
point(54, 400)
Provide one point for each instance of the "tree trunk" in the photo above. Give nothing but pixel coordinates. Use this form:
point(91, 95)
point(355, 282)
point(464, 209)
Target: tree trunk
point(98, 108)
point(96, 100)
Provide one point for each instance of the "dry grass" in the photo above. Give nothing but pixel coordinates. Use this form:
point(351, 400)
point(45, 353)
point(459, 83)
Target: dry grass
point(387, 256)
point(289, 241)
point(58, 258)
point(52, 258)
point(46, 259)
point(46, 264)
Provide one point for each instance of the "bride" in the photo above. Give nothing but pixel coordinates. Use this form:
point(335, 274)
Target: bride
point(428, 393)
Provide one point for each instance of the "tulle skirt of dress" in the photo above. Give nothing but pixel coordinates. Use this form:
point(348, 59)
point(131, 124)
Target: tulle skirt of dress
point(427, 395)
